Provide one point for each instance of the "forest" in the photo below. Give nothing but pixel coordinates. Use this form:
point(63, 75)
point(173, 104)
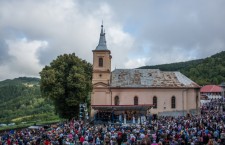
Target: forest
point(210, 70)
point(21, 101)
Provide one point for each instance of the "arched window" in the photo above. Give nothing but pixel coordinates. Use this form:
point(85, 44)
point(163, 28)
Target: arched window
point(100, 62)
point(116, 100)
point(155, 102)
point(173, 102)
point(135, 100)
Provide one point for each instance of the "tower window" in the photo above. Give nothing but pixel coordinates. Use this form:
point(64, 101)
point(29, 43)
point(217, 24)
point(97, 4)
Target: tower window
point(173, 102)
point(100, 62)
point(155, 102)
point(116, 100)
point(135, 100)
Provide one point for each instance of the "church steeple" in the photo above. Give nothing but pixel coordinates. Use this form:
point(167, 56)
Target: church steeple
point(102, 42)
point(101, 61)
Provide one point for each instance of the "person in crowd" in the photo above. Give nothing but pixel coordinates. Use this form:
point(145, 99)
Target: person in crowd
point(207, 128)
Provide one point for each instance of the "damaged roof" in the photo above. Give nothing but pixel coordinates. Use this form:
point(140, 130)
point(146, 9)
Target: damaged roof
point(150, 78)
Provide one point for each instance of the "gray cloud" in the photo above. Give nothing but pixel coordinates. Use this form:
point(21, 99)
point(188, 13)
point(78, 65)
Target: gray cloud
point(172, 30)
point(3, 51)
point(137, 32)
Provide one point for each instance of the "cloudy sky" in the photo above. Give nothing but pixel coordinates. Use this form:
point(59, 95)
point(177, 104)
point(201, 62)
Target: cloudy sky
point(138, 33)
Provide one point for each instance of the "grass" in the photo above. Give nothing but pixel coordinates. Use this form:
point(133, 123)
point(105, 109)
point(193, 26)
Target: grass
point(20, 118)
point(18, 126)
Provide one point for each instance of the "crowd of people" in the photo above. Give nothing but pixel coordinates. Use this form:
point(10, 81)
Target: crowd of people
point(103, 116)
point(207, 128)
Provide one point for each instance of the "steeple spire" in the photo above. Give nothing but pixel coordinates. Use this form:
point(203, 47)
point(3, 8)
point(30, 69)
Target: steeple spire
point(102, 42)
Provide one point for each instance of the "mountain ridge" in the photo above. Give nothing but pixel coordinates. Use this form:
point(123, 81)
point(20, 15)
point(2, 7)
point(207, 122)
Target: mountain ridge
point(210, 70)
point(21, 101)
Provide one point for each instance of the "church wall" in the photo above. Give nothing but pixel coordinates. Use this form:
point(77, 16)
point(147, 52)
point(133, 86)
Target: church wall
point(193, 101)
point(101, 74)
point(101, 97)
point(106, 60)
point(101, 77)
point(185, 100)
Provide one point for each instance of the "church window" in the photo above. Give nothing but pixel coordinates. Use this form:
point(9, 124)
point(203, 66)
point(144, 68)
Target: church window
point(116, 100)
point(155, 102)
point(173, 102)
point(135, 100)
point(100, 62)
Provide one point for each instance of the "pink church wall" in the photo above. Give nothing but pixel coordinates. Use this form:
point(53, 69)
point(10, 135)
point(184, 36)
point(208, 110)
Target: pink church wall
point(185, 98)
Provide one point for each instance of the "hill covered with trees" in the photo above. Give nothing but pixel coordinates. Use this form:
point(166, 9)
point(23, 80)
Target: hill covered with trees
point(210, 70)
point(21, 101)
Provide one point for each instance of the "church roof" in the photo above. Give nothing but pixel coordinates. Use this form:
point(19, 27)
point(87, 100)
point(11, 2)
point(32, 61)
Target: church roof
point(142, 78)
point(102, 41)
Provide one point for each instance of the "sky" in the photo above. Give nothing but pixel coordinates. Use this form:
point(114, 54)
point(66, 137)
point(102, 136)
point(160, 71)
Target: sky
point(138, 33)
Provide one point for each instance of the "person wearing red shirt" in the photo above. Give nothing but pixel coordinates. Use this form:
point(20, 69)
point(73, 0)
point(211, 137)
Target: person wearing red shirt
point(47, 142)
point(8, 141)
point(81, 139)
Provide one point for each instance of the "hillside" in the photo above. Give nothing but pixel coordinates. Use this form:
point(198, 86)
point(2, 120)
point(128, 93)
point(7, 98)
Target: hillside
point(210, 70)
point(21, 101)
point(20, 80)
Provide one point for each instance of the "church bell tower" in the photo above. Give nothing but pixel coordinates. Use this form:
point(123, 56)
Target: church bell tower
point(101, 61)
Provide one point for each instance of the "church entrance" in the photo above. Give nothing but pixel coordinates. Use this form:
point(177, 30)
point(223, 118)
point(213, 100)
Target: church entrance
point(121, 114)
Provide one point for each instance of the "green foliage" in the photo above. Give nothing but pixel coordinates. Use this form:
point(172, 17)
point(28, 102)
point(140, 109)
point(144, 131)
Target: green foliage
point(19, 81)
point(25, 125)
point(20, 100)
point(210, 70)
point(67, 81)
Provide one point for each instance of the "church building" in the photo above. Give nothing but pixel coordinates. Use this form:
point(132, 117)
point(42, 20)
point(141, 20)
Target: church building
point(132, 91)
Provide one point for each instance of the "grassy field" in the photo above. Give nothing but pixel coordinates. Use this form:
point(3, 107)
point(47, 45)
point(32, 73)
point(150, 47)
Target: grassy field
point(25, 125)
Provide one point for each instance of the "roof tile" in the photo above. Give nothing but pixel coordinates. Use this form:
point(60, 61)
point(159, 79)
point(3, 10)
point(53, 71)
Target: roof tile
point(149, 78)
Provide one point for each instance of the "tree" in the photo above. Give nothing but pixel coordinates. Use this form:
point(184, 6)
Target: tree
point(67, 81)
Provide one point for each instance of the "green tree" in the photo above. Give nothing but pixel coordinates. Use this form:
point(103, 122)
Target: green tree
point(67, 81)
